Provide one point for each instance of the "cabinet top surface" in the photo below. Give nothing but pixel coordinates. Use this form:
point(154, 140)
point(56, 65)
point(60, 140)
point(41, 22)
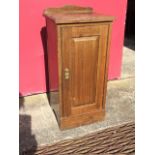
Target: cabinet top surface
point(75, 14)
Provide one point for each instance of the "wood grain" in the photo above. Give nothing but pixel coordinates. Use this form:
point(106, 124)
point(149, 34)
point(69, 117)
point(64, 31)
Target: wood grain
point(82, 53)
point(67, 9)
point(75, 14)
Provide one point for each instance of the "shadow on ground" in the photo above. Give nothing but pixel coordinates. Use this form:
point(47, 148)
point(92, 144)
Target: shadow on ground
point(25, 135)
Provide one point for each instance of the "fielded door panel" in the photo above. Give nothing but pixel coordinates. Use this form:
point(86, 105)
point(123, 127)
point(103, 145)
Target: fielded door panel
point(83, 55)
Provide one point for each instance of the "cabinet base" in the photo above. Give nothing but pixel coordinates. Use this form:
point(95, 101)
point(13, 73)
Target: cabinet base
point(76, 121)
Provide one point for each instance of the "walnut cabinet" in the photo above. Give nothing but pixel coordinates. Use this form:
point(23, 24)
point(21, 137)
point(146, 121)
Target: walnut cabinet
point(78, 43)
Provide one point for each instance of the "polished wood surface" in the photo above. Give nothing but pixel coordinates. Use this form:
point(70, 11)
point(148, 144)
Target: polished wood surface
point(79, 18)
point(74, 14)
point(82, 51)
point(67, 9)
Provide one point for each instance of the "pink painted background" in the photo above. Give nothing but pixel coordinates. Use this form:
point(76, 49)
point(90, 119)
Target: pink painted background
point(32, 75)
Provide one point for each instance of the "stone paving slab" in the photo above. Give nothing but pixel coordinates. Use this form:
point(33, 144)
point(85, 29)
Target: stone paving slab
point(38, 125)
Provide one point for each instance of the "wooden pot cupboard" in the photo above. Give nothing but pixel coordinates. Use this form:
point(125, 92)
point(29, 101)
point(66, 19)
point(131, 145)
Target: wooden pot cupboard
point(78, 49)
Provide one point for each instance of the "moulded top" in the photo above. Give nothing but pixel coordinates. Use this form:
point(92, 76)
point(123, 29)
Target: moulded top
point(74, 14)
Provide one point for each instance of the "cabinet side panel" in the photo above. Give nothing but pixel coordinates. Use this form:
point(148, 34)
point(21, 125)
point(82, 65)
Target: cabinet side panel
point(107, 64)
point(52, 54)
point(53, 65)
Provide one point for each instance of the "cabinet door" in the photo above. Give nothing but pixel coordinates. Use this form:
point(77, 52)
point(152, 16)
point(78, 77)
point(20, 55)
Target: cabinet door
point(83, 56)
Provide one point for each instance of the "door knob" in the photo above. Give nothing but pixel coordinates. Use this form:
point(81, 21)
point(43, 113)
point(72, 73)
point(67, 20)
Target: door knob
point(66, 73)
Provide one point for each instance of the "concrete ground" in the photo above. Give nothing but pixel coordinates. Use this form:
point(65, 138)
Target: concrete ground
point(38, 125)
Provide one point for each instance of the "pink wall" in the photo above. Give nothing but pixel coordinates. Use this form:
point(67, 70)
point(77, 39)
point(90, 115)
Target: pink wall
point(32, 68)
